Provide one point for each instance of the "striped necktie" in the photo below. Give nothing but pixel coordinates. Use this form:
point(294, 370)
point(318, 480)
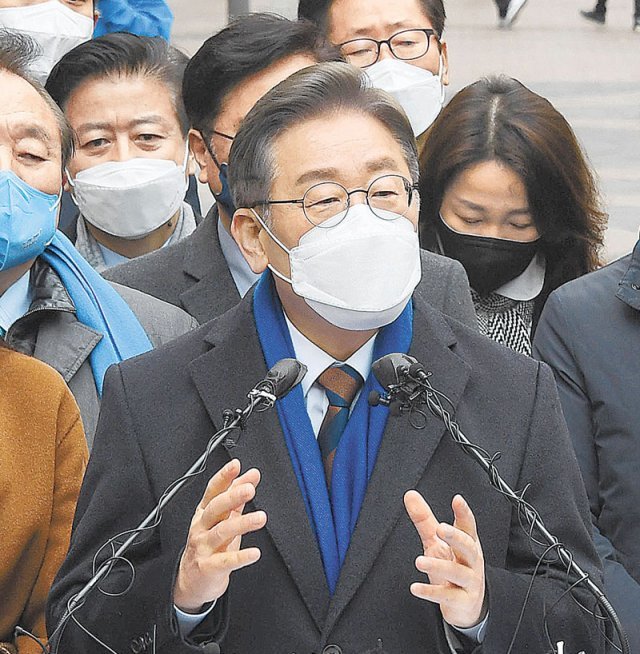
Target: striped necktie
point(341, 384)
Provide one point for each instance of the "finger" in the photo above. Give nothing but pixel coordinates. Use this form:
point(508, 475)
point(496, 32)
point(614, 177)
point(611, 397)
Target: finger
point(422, 517)
point(446, 571)
point(220, 481)
point(465, 548)
point(464, 518)
point(230, 561)
point(227, 530)
point(443, 595)
point(232, 500)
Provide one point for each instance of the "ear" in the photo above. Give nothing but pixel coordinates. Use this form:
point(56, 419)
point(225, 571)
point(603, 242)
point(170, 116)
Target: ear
point(246, 230)
point(445, 63)
point(192, 166)
point(65, 182)
point(202, 157)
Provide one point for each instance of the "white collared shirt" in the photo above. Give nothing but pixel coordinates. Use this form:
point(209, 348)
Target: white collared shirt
point(243, 277)
point(15, 302)
point(317, 361)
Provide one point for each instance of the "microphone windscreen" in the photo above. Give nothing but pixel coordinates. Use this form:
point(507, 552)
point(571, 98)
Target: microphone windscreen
point(390, 369)
point(285, 375)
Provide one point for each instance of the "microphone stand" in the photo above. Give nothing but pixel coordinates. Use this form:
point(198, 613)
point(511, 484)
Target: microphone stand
point(403, 396)
point(260, 399)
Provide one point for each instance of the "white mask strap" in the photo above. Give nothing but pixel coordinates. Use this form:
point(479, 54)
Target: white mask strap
point(271, 234)
point(279, 243)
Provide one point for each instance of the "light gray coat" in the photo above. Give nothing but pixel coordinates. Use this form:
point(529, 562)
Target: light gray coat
point(51, 332)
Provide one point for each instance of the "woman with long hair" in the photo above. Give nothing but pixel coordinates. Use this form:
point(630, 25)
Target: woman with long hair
point(506, 190)
point(43, 454)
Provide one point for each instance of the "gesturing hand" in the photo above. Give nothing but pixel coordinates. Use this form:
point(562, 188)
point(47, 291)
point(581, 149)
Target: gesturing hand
point(213, 549)
point(453, 560)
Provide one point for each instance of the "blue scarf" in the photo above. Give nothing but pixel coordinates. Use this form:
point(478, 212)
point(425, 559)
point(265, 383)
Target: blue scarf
point(332, 520)
point(98, 306)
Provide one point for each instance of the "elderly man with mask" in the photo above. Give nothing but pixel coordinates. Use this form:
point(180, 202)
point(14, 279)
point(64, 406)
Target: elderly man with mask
point(206, 273)
point(53, 305)
point(399, 45)
point(310, 549)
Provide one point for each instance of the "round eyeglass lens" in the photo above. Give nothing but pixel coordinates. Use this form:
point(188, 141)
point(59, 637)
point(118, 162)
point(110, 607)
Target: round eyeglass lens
point(324, 201)
point(389, 196)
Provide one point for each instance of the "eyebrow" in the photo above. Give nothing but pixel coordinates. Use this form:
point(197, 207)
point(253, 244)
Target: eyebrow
point(398, 25)
point(32, 132)
point(479, 207)
point(326, 174)
point(136, 122)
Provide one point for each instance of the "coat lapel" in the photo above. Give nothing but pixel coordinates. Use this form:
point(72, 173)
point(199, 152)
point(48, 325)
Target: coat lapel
point(404, 455)
point(65, 344)
point(214, 290)
point(223, 376)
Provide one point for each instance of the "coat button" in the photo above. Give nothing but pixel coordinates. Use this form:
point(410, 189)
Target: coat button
point(332, 649)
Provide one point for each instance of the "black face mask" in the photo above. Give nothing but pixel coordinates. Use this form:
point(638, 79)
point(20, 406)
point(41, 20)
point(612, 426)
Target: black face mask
point(489, 262)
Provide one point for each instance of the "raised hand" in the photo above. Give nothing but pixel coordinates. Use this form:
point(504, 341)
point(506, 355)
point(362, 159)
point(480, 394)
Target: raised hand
point(452, 557)
point(213, 548)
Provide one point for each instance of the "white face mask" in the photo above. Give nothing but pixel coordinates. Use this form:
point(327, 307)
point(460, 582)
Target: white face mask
point(55, 27)
point(358, 275)
point(130, 199)
point(420, 93)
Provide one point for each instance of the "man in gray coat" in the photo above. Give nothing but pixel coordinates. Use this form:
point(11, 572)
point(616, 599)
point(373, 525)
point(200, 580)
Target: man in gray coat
point(205, 274)
point(589, 333)
point(46, 290)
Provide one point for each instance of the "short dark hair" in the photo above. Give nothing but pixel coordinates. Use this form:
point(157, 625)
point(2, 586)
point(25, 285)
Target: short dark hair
point(500, 119)
point(17, 52)
point(318, 10)
point(330, 88)
point(248, 45)
point(121, 54)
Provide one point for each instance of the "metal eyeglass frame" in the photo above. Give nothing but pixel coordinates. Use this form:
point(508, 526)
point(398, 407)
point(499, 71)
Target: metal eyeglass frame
point(409, 187)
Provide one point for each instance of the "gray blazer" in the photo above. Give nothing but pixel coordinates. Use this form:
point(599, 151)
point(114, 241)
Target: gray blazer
point(54, 335)
point(148, 437)
point(589, 333)
point(193, 274)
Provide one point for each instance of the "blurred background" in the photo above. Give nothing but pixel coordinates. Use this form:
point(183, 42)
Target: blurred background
point(590, 73)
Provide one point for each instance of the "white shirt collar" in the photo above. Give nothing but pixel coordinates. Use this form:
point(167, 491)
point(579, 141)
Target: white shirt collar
point(243, 277)
point(527, 285)
point(15, 301)
point(317, 360)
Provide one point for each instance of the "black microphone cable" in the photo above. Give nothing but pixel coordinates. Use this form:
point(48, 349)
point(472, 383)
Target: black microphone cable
point(280, 379)
point(408, 387)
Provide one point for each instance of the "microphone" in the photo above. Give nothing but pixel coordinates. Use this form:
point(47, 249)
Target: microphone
point(408, 388)
point(280, 379)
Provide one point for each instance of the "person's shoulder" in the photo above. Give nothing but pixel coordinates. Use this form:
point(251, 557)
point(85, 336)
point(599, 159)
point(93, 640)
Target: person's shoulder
point(583, 293)
point(175, 355)
point(159, 264)
point(23, 373)
point(437, 262)
point(161, 320)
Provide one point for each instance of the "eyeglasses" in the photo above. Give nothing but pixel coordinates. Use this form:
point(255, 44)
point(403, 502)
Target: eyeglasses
point(327, 204)
point(223, 135)
point(405, 45)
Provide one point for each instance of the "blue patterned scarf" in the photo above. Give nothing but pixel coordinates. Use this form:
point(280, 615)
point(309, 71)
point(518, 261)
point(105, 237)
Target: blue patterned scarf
point(332, 520)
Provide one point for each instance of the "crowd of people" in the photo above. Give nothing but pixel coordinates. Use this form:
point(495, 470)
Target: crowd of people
point(358, 215)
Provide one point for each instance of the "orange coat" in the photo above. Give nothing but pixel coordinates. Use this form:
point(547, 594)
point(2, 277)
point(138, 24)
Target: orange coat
point(43, 455)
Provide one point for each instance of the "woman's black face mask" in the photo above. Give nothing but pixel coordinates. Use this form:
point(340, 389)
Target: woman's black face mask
point(489, 262)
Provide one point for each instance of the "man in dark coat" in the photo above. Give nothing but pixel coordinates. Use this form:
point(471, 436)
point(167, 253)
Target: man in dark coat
point(589, 333)
point(324, 558)
point(205, 274)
